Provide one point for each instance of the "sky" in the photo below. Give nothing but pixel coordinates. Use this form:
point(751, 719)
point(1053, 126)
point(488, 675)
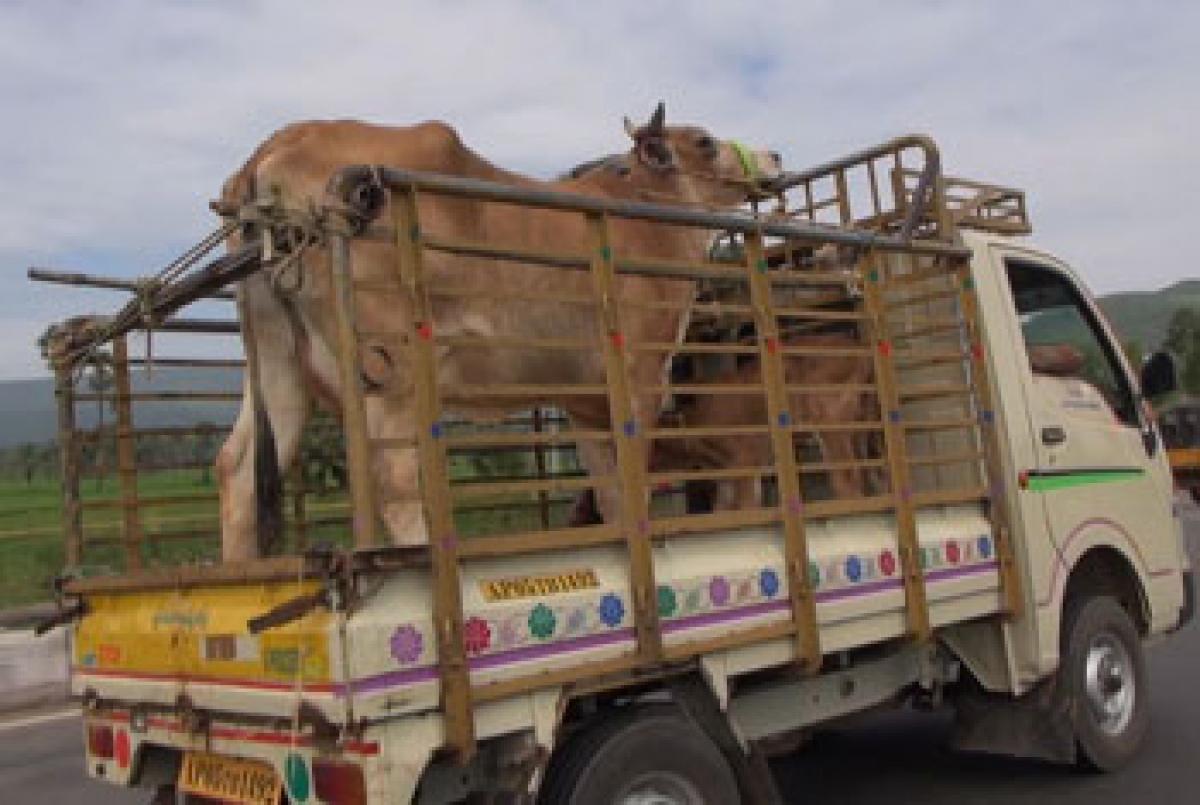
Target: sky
point(122, 118)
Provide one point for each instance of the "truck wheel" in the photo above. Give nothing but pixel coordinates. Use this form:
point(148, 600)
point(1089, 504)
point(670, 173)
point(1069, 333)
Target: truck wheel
point(650, 756)
point(1106, 677)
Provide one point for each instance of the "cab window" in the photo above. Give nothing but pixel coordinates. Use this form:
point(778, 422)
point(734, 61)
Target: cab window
point(1063, 338)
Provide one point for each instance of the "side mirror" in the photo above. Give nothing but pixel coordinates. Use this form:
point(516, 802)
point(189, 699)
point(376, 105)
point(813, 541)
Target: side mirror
point(1158, 375)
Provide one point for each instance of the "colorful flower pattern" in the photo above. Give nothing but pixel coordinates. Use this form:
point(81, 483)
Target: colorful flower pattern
point(611, 610)
point(666, 601)
point(542, 622)
point(406, 644)
point(477, 635)
point(768, 582)
point(718, 591)
point(887, 563)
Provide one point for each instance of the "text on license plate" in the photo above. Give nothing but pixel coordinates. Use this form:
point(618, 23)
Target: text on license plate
point(245, 782)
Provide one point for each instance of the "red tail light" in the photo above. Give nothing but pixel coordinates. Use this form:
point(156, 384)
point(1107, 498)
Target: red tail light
point(100, 741)
point(339, 783)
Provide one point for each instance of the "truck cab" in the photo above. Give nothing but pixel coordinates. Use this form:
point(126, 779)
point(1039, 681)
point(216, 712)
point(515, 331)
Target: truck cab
point(1094, 481)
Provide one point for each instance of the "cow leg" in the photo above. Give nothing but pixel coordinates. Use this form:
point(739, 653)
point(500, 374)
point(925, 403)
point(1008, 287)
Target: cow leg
point(742, 493)
point(398, 470)
point(286, 404)
point(839, 447)
point(600, 460)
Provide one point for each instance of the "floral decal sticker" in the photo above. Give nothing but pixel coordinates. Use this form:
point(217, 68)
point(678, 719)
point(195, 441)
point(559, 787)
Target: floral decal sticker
point(718, 591)
point(768, 581)
point(887, 563)
point(985, 547)
point(407, 644)
point(853, 568)
point(511, 632)
point(612, 611)
point(542, 622)
point(477, 635)
point(666, 602)
point(577, 621)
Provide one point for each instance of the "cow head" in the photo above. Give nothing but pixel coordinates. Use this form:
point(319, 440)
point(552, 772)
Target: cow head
point(723, 171)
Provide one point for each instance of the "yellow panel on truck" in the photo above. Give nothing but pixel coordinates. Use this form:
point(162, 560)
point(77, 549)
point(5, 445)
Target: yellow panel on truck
point(193, 640)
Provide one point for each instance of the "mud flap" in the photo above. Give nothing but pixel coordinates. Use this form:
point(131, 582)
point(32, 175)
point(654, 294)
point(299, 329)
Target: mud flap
point(1036, 725)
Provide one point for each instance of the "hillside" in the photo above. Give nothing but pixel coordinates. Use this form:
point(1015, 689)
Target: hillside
point(1143, 317)
point(28, 413)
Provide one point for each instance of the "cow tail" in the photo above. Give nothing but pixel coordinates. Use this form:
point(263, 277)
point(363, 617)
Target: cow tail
point(268, 484)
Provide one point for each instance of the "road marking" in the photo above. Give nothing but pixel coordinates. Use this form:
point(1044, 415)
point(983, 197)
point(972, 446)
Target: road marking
point(38, 719)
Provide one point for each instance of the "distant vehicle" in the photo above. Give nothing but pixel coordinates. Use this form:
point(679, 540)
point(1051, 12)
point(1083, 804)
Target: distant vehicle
point(1180, 426)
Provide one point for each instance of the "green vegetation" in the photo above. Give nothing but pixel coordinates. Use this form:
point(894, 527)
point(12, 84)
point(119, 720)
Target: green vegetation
point(1183, 340)
point(181, 525)
point(1144, 317)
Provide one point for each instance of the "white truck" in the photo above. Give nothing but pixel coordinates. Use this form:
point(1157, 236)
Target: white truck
point(1014, 548)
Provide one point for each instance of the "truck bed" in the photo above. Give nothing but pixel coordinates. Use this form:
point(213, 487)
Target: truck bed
point(522, 616)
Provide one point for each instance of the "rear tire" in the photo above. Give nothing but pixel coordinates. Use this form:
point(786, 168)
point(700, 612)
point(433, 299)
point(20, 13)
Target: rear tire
point(648, 756)
point(1105, 674)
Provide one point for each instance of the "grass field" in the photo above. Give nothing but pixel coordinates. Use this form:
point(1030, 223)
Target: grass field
point(31, 534)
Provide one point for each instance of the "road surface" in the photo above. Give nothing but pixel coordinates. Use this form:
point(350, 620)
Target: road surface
point(890, 759)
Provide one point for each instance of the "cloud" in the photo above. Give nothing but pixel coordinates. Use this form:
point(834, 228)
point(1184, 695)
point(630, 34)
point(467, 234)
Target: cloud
point(123, 118)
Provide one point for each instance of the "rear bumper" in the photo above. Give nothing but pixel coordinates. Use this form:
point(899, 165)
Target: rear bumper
point(164, 740)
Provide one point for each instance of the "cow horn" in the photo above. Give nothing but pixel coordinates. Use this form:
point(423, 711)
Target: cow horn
point(658, 119)
point(630, 129)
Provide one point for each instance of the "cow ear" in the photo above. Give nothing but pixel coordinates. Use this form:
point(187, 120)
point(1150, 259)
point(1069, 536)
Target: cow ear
point(654, 152)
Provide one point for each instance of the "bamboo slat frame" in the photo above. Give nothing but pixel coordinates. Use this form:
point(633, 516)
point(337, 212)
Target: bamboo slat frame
point(630, 442)
point(916, 604)
point(68, 451)
point(126, 456)
point(437, 504)
point(635, 528)
point(791, 498)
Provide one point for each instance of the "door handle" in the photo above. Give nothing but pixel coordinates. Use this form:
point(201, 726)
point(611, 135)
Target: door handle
point(1053, 434)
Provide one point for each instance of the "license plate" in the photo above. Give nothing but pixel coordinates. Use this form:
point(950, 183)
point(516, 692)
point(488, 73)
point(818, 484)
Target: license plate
point(245, 782)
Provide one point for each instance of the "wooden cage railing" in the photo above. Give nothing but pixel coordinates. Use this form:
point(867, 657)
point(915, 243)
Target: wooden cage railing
point(896, 352)
point(904, 293)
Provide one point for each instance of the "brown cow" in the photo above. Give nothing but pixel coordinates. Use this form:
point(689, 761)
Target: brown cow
point(294, 330)
point(730, 410)
point(829, 407)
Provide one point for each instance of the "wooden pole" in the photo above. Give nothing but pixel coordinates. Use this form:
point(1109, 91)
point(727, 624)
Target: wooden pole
point(127, 456)
point(895, 447)
point(68, 458)
point(354, 413)
point(539, 459)
point(629, 436)
point(791, 500)
point(435, 483)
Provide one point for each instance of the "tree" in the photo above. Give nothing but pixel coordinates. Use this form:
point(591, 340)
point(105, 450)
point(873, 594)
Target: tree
point(1183, 339)
point(28, 455)
point(204, 449)
point(1134, 353)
